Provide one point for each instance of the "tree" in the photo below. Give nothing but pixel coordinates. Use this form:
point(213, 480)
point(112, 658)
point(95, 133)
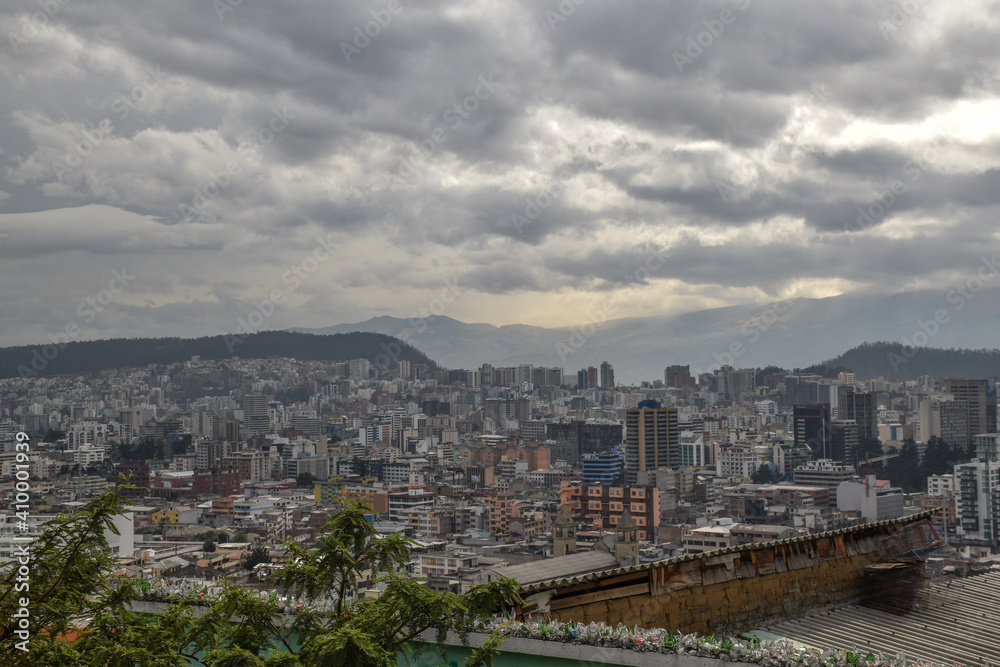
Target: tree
point(905, 470)
point(258, 554)
point(762, 475)
point(69, 562)
point(869, 447)
point(208, 546)
point(73, 564)
point(939, 457)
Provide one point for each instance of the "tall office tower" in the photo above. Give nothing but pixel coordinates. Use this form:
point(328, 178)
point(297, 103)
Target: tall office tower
point(812, 428)
point(524, 374)
point(844, 440)
point(404, 369)
point(592, 378)
point(677, 376)
point(205, 423)
point(487, 375)
point(862, 407)
point(581, 379)
point(741, 382)
point(506, 376)
point(975, 395)
point(801, 389)
point(607, 376)
point(652, 439)
point(209, 455)
point(256, 418)
point(554, 377)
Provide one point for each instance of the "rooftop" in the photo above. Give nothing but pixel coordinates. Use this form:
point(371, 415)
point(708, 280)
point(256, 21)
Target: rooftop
point(581, 562)
point(954, 620)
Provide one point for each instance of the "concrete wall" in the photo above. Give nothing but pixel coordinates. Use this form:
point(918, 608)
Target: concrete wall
point(737, 588)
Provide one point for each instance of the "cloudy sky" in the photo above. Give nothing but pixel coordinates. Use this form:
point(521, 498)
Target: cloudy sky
point(176, 163)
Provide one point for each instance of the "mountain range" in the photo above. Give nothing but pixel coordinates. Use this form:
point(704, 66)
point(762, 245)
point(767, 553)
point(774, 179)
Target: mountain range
point(794, 333)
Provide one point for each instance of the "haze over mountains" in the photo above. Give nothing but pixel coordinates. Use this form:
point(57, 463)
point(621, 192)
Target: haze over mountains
point(796, 333)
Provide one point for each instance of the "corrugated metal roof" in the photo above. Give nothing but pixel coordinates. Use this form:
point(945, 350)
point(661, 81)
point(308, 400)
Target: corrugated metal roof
point(562, 566)
point(561, 582)
point(954, 621)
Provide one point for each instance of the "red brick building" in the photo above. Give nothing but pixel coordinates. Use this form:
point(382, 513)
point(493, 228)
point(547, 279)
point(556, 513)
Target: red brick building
point(216, 482)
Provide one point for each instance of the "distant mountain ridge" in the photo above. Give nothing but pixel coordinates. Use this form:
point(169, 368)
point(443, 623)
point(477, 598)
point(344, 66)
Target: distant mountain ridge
point(898, 361)
point(98, 355)
point(797, 333)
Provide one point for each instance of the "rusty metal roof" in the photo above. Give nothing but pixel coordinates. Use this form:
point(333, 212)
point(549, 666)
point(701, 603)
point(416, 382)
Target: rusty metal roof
point(600, 574)
point(953, 621)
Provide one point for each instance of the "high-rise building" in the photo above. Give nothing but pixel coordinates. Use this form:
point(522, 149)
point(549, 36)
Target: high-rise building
point(844, 440)
point(740, 382)
point(812, 428)
point(677, 376)
point(607, 376)
point(978, 497)
point(305, 422)
point(801, 389)
point(606, 467)
point(592, 378)
point(205, 422)
point(862, 407)
point(975, 394)
point(256, 417)
point(651, 439)
point(210, 454)
point(581, 379)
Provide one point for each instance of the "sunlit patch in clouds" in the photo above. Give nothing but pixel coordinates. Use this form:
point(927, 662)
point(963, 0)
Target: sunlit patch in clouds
point(590, 134)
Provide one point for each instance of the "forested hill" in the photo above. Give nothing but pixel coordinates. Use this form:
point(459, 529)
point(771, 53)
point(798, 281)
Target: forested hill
point(98, 355)
point(893, 361)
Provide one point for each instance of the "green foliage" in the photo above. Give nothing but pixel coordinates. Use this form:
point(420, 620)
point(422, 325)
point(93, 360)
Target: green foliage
point(762, 475)
point(259, 553)
point(867, 445)
point(305, 480)
point(72, 561)
point(348, 547)
point(767, 370)
point(208, 546)
point(940, 457)
point(827, 369)
point(68, 579)
point(98, 355)
point(887, 359)
point(906, 471)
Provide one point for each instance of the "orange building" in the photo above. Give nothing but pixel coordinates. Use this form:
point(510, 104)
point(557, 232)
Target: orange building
point(502, 507)
point(224, 506)
point(536, 455)
point(603, 504)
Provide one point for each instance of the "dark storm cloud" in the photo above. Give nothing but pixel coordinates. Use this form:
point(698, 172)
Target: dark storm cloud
point(429, 147)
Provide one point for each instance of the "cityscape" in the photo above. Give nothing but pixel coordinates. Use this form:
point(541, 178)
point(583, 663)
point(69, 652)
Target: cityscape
point(499, 333)
point(532, 473)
